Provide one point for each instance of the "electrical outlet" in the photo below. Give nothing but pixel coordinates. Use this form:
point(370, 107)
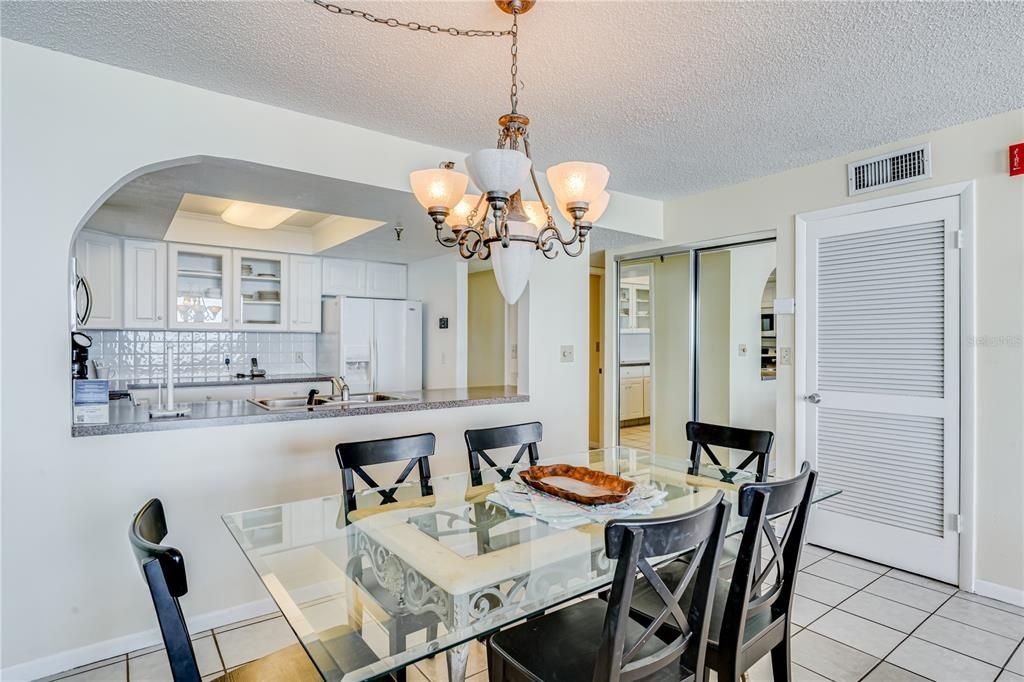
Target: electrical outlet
point(298, 357)
point(567, 354)
point(785, 355)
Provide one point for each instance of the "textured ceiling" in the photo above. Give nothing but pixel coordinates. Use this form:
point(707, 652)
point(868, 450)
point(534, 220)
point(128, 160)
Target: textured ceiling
point(675, 97)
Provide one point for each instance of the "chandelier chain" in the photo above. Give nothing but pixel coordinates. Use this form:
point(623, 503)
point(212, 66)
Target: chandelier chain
point(411, 25)
point(514, 93)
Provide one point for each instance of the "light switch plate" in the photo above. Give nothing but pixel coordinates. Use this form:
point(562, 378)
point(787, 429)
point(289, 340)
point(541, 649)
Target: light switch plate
point(785, 355)
point(567, 354)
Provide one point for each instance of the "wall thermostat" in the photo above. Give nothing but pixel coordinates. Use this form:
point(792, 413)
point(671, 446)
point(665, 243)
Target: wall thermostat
point(442, 323)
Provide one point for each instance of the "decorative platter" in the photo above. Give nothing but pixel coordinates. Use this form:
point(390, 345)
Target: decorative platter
point(577, 484)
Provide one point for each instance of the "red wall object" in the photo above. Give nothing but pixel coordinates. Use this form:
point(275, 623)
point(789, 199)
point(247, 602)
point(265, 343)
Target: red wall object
point(1017, 159)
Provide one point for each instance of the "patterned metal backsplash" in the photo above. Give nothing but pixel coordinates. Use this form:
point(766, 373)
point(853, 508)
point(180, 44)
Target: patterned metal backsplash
point(139, 356)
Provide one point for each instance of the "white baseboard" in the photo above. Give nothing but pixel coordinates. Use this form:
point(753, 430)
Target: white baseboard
point(1000, 592)
point(66, 660)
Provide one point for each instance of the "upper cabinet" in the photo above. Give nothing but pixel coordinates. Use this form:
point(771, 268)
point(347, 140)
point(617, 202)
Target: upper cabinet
point(261, 285)
point(199, 279)
point(344, 277)
point(145, 284)
point(98, 286)
point(305, 291)
point(385, 280)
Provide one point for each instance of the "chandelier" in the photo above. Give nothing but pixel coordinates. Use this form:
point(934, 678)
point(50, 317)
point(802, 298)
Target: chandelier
point(499, 224)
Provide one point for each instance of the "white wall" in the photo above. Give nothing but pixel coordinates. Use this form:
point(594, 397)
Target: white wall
point(72, 129)
point(972, 151)
point(441, 284)
point(751, 401)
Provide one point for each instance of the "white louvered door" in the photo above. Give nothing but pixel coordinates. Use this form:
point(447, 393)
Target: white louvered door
point(882, 383)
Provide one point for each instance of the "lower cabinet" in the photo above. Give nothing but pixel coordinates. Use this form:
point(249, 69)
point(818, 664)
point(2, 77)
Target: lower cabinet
point(632, 399)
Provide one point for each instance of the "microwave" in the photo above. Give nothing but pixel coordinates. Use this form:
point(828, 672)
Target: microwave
point(767, 322)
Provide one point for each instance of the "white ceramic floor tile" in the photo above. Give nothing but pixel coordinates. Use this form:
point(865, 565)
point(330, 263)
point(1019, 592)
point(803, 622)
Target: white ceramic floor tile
point(830, 658)
point(822, 590)
point(859, 563)
point(81, 669)
point(885, 611)
point(805, 610)
point(994, 603)
point(1007, 676)
point(762, 672)
point(115, 672)
point(921, 581)
point(984, 617)
point(154, 666)
point(1016, 662)
point(241, 645)
point(816, 552)
point(907, 593)
point(887, 672)
point(940, 664)
point(968, 640)
point(248, 621)
point(842, 573)
point(861, 634)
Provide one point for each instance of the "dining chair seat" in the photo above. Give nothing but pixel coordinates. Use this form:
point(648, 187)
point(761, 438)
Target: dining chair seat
point(563, 645)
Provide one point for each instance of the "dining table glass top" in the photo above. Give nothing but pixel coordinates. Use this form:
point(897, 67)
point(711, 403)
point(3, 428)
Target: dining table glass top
point(383, 585)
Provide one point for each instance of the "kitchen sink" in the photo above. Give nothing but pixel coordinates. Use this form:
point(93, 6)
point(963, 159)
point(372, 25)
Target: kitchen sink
point(325, 402)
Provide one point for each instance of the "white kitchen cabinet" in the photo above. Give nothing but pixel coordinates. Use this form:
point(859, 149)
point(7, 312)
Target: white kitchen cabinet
point(632, 399)
point(145, 284)
point(199, 282)
point(386, 280)
point(305, 286)
point(344, 277)
point(98, 261)
point(647, 396)
point(261, 291)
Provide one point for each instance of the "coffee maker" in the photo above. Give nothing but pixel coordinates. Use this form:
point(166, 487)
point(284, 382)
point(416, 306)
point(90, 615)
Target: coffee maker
point(80, 344)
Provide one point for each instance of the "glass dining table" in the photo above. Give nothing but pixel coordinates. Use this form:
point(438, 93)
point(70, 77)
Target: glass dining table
point(372, 591)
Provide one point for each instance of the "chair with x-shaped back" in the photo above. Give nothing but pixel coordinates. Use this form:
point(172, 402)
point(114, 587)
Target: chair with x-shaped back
point(753, 608)
point(703, 435)
point(353, 457)
point(595, 641)
point(479, 441)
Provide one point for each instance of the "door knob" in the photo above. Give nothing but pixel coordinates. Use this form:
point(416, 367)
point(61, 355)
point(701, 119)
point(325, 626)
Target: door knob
point(814, 398)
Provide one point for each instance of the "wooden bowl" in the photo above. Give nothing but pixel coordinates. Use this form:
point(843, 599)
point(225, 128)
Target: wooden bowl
point(577, 484)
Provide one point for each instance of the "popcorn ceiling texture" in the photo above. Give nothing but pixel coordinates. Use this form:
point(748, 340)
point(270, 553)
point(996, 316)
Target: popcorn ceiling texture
point(675, 97)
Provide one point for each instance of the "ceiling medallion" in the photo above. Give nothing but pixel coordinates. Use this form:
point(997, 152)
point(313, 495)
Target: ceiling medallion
point(498, 223)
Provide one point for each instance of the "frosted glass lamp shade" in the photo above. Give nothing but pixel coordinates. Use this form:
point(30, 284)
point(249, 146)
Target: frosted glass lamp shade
point(461, 210)
point(594, 211)
point(577, 181)
point(438, 187)
point(512, 264)
point(498, 170)
point(256, 216)
point(535, 210)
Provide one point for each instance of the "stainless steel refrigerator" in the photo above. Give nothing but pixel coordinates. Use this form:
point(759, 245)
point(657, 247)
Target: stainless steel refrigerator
point(376, 344)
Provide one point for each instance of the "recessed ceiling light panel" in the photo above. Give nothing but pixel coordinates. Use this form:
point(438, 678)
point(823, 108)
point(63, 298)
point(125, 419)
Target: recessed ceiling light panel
point(256, 216)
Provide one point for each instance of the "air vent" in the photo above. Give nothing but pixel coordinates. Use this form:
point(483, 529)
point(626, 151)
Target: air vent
point(888, 170)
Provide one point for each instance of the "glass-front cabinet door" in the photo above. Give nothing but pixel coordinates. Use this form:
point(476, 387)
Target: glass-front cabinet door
point(261, 278)
point(200, 283)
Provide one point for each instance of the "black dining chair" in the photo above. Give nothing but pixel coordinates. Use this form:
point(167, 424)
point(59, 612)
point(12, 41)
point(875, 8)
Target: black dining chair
point(703, 435)
point(597, 641)
point(163, 568)
point(752, 614)
point(479, 441)
point(353, 457)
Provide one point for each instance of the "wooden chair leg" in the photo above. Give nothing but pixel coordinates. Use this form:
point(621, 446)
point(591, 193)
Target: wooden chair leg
point(781, 660)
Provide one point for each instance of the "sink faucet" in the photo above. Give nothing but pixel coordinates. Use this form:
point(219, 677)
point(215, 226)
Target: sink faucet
point(311, 398)
point(340, 387)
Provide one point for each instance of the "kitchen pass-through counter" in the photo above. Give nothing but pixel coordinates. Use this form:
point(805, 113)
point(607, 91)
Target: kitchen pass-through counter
point(128, 418)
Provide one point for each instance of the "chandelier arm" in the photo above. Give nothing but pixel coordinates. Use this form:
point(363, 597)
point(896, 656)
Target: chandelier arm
point(536, 184)
point(411, 25)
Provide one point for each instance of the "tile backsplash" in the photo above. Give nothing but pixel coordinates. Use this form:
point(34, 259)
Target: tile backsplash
point(139, 356)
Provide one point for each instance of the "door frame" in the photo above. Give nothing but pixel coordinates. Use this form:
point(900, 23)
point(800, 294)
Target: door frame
point(965, 192)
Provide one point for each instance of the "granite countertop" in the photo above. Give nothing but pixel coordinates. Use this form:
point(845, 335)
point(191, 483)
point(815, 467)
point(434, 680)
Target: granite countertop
point(127, 418)
point(223, 380)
